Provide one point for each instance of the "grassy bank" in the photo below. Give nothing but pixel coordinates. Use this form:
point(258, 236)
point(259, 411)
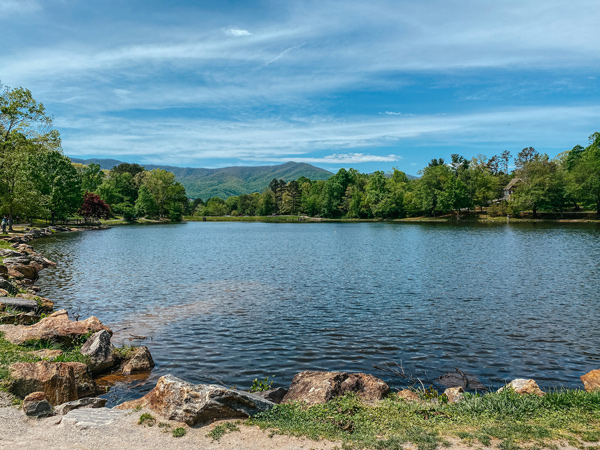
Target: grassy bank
point(506, 420)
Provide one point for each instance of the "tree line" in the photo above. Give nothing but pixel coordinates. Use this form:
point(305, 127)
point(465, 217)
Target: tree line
point(38, 181)
point(568, 182)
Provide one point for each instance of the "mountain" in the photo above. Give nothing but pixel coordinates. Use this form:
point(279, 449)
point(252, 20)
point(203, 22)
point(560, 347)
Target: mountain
point(228, 181)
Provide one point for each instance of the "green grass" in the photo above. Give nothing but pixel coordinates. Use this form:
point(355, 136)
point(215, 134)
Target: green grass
point(147, 419)
point(4, 244)
point(506, 417)
point(178, 432)
point(221, 430)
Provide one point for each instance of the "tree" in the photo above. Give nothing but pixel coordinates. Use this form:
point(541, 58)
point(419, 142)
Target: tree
point(526, 155)
point(91, 177)
point(93, 207)
point(57, 183)
point(583, 180)
point(25, 129)
point(168, 194)
point(145, 205)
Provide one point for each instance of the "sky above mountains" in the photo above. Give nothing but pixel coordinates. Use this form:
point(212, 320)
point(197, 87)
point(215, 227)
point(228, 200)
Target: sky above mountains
point(370, 85)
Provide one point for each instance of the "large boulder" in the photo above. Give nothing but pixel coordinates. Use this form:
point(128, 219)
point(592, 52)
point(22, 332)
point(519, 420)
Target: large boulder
point(36, 404)
point(591, 380)
point(61, 382)
point(139, 361)
point(314, 388)
point(101, 352)
point(178, 400)
point(273, 395)
point(56, 327)
point(523, 386)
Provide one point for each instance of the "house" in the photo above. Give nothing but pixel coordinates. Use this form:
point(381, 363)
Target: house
point(510, 187)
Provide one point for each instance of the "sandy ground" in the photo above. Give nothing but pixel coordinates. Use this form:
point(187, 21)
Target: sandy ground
point(18, 432)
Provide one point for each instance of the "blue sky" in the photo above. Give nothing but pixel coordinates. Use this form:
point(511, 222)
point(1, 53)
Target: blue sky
point(370, 85)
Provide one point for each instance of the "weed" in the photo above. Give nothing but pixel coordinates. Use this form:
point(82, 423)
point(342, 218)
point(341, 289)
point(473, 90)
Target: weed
point(165, 427)
point(147, 419)
point(261, 385)
point(178, 432)
point(221, 430)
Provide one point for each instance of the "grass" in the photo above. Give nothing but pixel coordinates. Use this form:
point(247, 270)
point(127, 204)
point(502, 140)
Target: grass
point(4, 244)
point(147, 419)
point(507, 418)
point(178, 432)
point(221, 430)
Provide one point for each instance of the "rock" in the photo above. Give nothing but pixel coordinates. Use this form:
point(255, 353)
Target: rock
point(47, 354)
point(8, 286)
point(27, 271)
point(88, 402)
point(20, 319)
point(36, 404)
point(3, 269)
point(591, 380)
point(3, 293)
point(56, 327)
point(100, 350)
point(8, 253)
point(522, 386)
point(20, 304)
point(455, 394)
point(462, 379)
point(273, 395)
point(61, 382)
point(178, 400)
point(408, 395)
point(100, 418)
point(140, 361)
point(319, 387)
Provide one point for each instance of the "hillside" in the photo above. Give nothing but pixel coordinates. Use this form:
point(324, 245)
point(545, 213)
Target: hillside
point(227, 181)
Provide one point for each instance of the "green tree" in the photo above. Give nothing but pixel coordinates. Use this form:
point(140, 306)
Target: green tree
point(145, 205)
point(583, 180)
point(57, 183)
point(91, 177)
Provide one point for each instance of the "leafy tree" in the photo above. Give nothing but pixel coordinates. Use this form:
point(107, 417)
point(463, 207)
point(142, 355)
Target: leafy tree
point(542, 186)
point(93, 207)
point(145, 205)
point(168, 194)
point(57, 183)
point(91, 177)
point(526, 155)
point(583, 180)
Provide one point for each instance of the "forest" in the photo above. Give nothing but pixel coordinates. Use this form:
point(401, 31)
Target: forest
point(38, 181)
point(568, 182)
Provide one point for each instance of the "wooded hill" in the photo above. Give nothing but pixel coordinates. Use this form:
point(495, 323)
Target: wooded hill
point(227, 181)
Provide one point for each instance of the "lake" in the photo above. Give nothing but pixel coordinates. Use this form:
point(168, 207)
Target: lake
point(233, 301)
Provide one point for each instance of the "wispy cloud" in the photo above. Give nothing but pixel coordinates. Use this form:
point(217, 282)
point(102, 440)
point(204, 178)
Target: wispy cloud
point(336, 158)
point(237, 32)
point(8, 7)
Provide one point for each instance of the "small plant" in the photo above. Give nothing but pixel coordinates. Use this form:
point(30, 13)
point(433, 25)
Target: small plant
point(178, 432)
point(261, 385)
point(147, 419)
point(164, 426)
point(221, 430)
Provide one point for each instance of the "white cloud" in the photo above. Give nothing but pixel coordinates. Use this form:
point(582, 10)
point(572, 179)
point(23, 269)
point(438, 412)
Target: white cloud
point(237, 32)
point(336, 158)
point(19, 6)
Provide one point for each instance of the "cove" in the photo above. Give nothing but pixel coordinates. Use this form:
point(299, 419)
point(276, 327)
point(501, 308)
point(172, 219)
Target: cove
point(236, 301)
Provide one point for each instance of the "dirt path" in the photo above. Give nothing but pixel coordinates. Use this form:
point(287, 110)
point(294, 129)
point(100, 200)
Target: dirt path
point(108, 429)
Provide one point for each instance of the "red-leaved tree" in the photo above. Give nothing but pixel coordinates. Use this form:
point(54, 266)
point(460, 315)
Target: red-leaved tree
point(94, 207)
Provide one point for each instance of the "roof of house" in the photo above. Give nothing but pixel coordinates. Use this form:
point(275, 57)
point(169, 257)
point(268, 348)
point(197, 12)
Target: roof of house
point(512, 183)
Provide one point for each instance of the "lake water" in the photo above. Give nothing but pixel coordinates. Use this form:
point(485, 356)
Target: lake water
point(237, 301)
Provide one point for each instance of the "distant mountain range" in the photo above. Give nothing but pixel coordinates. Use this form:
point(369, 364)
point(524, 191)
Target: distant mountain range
point(228, 181)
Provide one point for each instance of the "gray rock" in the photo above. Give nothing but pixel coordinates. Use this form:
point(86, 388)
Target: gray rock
point(17, 260)
point(273, 395)
point(21, 304)
point(92, 418)
point(88, 402)
point(178, 400)
point(36, 404)
point(8, 286)
point(8, 253)
point(101, 352)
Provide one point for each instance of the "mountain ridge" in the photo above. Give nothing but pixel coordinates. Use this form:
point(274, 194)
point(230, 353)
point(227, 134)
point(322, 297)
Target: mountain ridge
point(227, 181)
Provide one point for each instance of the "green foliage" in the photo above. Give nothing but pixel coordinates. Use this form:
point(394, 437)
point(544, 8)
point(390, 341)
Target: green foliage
point(178, 432)
point(221, 430)
point(261, 385)
point(147, 419)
